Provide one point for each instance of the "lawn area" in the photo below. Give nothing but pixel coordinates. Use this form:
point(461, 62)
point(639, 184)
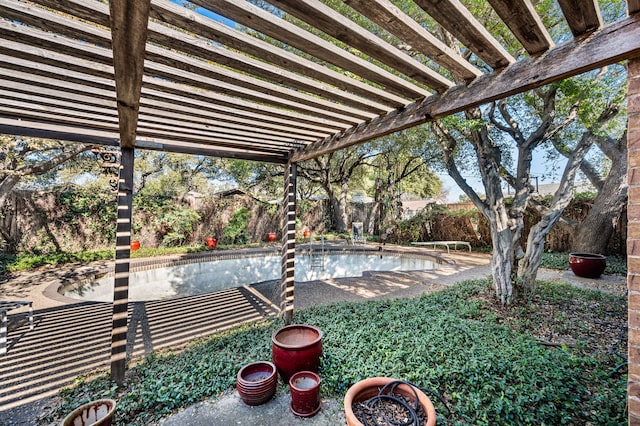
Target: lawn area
point(556, 359)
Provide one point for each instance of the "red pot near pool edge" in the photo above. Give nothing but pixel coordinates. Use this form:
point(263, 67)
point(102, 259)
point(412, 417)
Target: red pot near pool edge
point(211, 242)
point(587, 265)
point(296, 347)
point(271, 237)
point(135, 245)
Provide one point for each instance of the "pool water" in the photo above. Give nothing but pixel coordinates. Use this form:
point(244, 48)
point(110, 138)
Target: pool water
point(207, 277)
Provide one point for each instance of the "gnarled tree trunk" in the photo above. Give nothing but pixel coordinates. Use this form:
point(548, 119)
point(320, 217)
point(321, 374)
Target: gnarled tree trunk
point(594, 232)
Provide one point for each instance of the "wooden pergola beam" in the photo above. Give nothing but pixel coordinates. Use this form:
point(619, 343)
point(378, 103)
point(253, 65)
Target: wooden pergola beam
point(38, 129)
point(523, 21)
point(582, 16)
point(418, 39)
point(604, 47)
point(288, 254)
point(457, 19)
point(341, 28)
point(129, 20)
point(245, 13)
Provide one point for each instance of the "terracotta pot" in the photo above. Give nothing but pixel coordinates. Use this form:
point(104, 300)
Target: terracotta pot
point(305, 393)
point(94, 413)
point(587, 265)
point(368, 388)
point(296, 348)
point(211, 242)
point(135, 245)
point(256, 382)
point(306, 233)
point(271, 237)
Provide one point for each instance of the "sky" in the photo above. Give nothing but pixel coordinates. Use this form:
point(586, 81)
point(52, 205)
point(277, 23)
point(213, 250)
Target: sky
point(540, 168)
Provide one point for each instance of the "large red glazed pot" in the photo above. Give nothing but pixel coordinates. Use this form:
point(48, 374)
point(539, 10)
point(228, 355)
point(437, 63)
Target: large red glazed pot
point(296, 348)
point(587, 265)
point(368, 388)
point(271, 237)
point(135, 245)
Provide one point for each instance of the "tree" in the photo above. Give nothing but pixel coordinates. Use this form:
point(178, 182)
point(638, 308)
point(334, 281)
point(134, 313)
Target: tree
point(594, 232)
point(503, 138)
point(606, 170)
point(24, 159)
point(503, 147)
point(401, 165)
point(333, 173)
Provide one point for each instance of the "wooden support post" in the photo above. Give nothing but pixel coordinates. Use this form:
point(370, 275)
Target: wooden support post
point(288, 243)
point(3, 332)
point(121, 281)
point(128, 21)
point(633, 240)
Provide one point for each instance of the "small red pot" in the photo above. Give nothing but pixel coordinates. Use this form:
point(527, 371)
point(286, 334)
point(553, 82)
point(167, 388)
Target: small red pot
point(211, 242)
point(135, 245)
point(296, 348)
point(271, 237)
point(305, 393)
point(306, 233)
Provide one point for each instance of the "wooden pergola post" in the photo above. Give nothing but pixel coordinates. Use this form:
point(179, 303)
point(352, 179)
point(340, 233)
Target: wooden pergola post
point(633, 240)
point(121, 281)
point(288, 243)
point(128, 21)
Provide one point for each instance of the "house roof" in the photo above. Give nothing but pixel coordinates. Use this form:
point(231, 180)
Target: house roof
point(157, 75)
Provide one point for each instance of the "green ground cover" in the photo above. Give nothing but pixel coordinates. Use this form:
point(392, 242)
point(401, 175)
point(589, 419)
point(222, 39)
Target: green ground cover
point(552, 360)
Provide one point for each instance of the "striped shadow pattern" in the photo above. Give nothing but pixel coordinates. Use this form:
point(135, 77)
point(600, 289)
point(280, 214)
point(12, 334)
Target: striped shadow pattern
point(75, 339)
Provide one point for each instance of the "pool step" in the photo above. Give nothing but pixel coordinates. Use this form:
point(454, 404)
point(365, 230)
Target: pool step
point(317, 261)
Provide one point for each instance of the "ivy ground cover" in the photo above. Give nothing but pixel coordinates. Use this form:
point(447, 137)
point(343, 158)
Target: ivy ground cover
point(557, 358)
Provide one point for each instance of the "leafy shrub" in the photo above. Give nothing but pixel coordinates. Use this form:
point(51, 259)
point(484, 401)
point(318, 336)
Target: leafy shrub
point(236, 231)
point(26, 261)
point(97, 208)
point(178, 224)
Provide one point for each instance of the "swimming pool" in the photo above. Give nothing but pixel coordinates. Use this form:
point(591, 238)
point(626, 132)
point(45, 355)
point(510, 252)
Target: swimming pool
point(215, 275)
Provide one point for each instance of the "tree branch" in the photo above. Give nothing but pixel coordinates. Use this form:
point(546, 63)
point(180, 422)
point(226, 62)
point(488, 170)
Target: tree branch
point(448, 144)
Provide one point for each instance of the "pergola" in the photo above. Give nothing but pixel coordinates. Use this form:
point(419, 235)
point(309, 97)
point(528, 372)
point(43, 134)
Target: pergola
point(152, 74)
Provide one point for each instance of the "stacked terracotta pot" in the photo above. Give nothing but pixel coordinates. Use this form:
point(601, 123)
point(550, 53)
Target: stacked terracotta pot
point(256, 382)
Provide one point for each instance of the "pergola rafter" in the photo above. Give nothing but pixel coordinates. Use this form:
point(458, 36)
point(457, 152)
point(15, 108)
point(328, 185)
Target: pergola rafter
point(151, 74)
point(257, 97)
